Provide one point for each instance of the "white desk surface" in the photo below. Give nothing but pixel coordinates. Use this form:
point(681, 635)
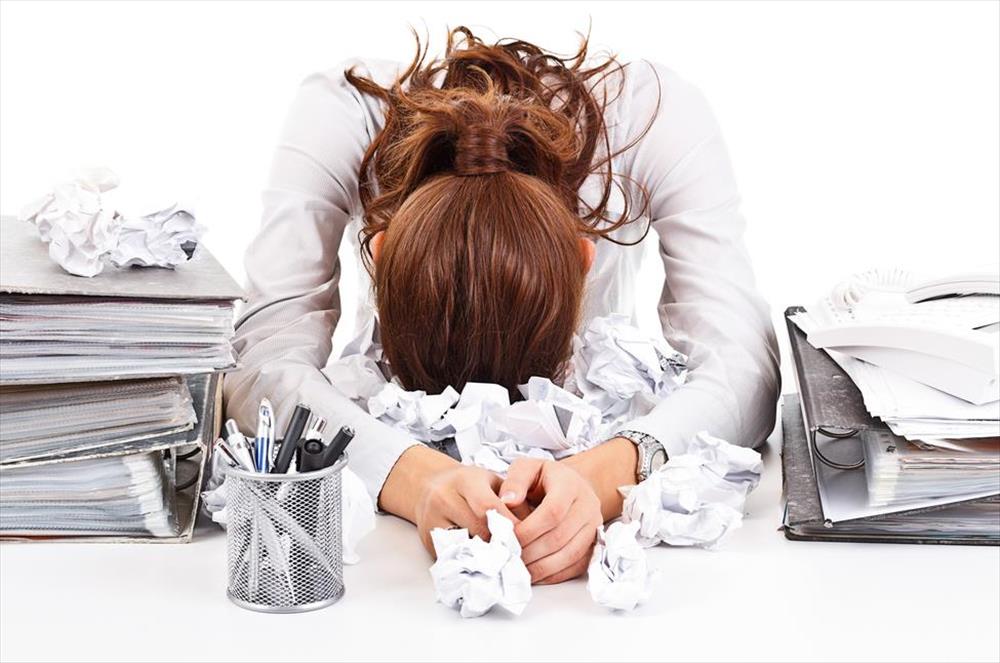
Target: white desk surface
point(759, 598)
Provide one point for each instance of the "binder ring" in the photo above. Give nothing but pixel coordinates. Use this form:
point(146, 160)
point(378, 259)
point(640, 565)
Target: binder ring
point(836, 435)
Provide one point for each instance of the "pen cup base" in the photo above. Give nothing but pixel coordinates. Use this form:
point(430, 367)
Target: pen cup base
point(286, 609)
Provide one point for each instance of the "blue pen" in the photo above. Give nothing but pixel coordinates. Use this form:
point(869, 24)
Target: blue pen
point(264, 443)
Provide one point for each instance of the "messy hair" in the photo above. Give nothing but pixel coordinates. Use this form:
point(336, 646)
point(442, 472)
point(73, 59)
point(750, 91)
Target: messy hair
point(475, 182)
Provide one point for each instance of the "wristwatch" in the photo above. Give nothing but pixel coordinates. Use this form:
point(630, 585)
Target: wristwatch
point(652, 455)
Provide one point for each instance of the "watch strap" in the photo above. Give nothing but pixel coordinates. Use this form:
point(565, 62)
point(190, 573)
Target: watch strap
point(645, 445)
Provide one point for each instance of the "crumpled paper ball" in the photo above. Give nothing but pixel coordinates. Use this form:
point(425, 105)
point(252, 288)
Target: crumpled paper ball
point(165, 238)
point(73, 220)
point(419, 413)
point(618, 576)
point(696, 498)
point(473, 575)
point(621, 370)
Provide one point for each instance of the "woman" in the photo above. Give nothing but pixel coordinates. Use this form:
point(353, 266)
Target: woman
point(500, 194)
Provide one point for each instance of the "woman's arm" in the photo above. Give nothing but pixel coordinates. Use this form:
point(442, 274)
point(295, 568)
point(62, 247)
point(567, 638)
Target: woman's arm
point(284, 336)
point(710, 308)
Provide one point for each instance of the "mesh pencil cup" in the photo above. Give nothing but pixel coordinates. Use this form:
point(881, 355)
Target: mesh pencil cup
point(284, 539)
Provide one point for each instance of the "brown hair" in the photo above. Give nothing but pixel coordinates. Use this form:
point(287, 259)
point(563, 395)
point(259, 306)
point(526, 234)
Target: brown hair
point(475, 182)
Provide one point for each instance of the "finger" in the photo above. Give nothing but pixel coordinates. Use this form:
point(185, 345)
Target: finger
point(425, 532)
point(481, 498)
point(557, 538)
point(522, 510)
point(574, 571)
point(570, 555)
point(522, 474)
point(458, 511)
point(547, 515)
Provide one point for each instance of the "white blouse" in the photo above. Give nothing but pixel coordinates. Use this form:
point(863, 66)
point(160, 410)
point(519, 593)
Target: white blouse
point(709, 309)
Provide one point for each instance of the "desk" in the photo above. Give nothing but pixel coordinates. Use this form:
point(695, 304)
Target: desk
point(759, 598)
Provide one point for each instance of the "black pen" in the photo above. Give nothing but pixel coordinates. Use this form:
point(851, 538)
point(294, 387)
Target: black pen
point(337, 446)
point(290, 441)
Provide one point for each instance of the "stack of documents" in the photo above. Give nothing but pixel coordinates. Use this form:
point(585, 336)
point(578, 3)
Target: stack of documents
point(108, 387)
point(47, 338)
point(928, 368)
point(926, 372)
point(50, 420)
point(902, 472)
point(120, 495)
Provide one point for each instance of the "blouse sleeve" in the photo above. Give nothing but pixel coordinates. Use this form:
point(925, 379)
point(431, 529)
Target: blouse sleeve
point(710, 308)
point(284, 336)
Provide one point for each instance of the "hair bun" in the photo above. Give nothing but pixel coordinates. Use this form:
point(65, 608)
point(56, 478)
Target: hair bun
point(507, 107)
point(481, 150)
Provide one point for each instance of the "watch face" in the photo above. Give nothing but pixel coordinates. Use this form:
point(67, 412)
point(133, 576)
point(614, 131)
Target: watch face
point(658, 459)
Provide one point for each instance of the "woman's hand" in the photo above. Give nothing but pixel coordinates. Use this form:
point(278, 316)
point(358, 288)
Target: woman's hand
point(558, 536)
point(458, 496)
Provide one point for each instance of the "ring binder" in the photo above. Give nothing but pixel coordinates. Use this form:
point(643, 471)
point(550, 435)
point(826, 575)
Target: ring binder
point(831, 403)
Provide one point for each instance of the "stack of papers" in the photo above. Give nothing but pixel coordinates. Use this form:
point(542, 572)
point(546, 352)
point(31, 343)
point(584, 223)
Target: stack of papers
point(114, 496)
point(929, 371)
point(55, 338)
point(106, 381)
point(901, 472)
point(49, 420)
point(961, 520)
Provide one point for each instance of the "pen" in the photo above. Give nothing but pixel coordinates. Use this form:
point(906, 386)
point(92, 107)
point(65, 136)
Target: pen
point(290, 440)
point(316, 427)
point(314, 434)
point(337, 445)
point(264, 442)
point(238, 444)
point(233, 457)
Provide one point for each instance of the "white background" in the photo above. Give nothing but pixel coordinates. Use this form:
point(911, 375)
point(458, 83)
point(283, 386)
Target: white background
point(757, 598)
point(862, 133)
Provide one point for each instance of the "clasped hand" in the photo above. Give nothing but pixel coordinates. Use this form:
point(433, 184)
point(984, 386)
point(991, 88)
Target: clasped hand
point(555, 510)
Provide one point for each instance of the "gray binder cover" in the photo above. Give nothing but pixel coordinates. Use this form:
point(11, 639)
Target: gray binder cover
point(27, 269)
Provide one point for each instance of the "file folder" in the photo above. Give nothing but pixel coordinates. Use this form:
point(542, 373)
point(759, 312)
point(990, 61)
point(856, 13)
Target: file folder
point(824, 429)
point(186, 452)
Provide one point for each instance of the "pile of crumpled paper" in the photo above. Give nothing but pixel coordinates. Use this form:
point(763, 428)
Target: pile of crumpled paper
point(619, 373)
point(84, 233)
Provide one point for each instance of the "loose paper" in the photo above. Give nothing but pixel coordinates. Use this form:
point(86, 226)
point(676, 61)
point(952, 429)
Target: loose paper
point(473, 576)
point(619, 577)
point(696, 498)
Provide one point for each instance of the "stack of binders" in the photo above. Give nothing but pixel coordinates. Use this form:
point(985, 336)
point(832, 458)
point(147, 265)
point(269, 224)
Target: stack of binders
point(110, 393)
point(894, 435)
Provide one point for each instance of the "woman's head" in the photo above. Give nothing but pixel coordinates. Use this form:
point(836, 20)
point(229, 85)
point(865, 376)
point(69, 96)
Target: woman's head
point(474, 233)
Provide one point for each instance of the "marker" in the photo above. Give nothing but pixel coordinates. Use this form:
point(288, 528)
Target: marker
point(290, 441)
point(337, 446)
point(264, 443)
point(311, 456)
